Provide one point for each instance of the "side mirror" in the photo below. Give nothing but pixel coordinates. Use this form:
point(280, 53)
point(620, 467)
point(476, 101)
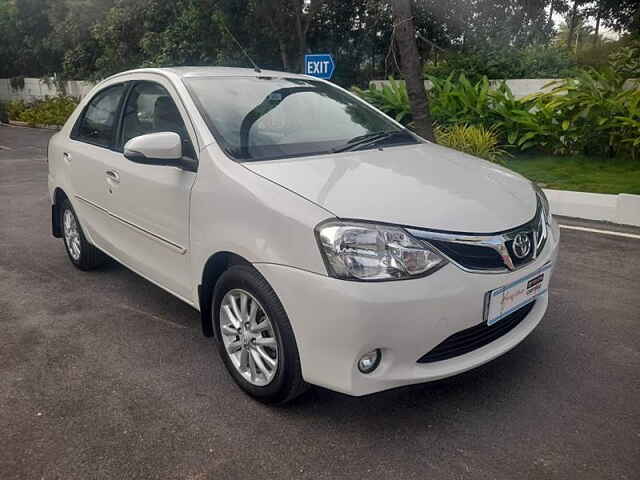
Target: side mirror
point(162, 148)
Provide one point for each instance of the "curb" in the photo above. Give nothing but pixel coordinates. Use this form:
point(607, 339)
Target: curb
point(623, 208)
point(37, 125)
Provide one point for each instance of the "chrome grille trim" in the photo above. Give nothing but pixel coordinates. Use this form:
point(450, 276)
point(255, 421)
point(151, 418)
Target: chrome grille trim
point(536, 227)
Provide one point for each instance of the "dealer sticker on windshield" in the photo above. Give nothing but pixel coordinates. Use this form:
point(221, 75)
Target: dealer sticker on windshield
point(505, 300)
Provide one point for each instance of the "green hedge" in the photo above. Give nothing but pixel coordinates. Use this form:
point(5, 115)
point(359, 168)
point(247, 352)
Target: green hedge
point(50, 111)
point(507, 62)
point(591, 113)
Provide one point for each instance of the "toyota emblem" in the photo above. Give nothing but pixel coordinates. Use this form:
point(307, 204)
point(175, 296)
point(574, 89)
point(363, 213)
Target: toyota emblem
point(521, 245)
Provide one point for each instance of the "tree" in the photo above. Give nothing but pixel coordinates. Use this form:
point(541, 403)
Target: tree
point(89, 39)
point(411, 64)
point(583, 34)
point(573, 22)
point(620, 15)
point(24, 46)
point(281, 16)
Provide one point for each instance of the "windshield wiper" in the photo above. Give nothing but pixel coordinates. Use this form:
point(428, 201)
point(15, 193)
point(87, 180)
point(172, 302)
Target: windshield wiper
point(369, 139)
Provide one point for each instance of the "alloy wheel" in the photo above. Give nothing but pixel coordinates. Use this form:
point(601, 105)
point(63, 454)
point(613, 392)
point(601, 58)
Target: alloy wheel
point(248, 337)
point(71, 234)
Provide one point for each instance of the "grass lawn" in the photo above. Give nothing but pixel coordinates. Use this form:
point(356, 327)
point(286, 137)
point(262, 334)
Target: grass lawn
point(579, 173)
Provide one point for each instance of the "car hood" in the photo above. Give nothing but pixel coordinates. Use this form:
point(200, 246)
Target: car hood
point(423, 185)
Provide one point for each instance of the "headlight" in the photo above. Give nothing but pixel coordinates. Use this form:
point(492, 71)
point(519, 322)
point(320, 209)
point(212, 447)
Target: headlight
point(366, 251)
point(544, 202)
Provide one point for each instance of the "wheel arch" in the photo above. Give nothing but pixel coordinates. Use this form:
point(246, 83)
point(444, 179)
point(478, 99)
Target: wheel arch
point(213, 269)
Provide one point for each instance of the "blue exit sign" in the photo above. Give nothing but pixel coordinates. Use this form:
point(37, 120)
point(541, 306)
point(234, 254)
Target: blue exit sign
point(320, 65)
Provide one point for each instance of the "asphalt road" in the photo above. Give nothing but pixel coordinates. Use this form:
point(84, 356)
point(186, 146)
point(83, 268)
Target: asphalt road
point(103, 375)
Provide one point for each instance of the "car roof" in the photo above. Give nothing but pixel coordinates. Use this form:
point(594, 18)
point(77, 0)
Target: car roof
point(183, 72)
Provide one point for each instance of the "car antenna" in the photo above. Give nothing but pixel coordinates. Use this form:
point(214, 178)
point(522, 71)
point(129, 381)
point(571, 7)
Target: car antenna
point(255, 67)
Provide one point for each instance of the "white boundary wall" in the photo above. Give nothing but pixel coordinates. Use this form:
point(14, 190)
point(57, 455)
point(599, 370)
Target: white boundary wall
point(520, 87)
point(623, 208)
point(37, 88)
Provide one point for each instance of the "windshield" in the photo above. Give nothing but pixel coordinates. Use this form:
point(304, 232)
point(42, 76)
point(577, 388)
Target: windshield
point(256, 118)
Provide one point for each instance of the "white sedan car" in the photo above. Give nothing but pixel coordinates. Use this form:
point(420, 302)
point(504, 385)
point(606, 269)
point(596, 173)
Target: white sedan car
point(322, 242)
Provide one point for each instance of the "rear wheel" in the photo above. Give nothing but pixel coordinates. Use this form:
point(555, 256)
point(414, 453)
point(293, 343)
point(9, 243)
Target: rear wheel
point(82, 254)
point(255, 339)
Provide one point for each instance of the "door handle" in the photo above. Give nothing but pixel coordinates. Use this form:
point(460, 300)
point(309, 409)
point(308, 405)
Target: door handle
point(67, 157)
point(113, 176)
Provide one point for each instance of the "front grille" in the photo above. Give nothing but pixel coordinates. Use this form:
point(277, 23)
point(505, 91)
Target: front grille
point(466, 341)
point(489, 252)
point(474, 257)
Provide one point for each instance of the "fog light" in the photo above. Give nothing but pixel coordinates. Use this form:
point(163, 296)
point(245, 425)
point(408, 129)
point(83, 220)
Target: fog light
point(370, 361)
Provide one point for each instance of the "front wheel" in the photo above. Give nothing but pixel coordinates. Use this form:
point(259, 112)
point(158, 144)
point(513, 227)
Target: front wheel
point(255, 338)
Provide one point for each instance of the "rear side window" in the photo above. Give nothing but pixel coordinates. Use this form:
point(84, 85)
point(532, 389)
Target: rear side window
point(98, 123)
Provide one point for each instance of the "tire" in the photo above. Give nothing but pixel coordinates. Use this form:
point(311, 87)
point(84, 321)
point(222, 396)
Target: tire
point(286, 381)
point(82, 254)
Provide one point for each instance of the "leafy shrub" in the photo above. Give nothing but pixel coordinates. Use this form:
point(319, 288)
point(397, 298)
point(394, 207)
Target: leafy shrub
point(589, 108)
point(590, 55)
point(474, 140)
point(532, 123)
point(456, 100)
point(629, 123)
point(506, 62)
point(626, 61)
point(453, 100)
point(15, 109)
point(50, 111)
point(592, 113)
point(544, 62)
point(392, 99)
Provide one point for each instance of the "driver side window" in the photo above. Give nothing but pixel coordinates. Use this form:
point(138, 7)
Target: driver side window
point(151, 109)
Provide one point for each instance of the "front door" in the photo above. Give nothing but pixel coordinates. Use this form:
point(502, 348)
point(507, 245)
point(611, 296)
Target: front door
point(149, 203)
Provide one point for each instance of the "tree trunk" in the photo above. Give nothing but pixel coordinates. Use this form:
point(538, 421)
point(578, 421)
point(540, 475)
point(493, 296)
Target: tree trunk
point(597, 33)
point(283, 55)
point(303, 48)
point(411, 65)
point(300, 42)
point(572, 25)
point(302, 24)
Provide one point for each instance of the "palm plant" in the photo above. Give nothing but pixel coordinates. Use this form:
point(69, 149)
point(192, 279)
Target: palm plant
point(459, 101)
point(391, 98)
point(588, 106)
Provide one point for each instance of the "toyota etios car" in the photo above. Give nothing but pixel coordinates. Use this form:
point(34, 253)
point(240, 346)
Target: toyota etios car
point(322, 242)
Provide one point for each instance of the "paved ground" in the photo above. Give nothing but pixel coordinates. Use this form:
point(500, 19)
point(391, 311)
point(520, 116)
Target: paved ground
point(103, 375)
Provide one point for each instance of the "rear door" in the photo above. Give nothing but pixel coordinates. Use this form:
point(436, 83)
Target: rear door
point(150, 203)
point(88, 157)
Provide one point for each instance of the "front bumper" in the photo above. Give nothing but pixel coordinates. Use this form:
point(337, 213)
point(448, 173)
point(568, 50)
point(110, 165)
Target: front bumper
point(337, 321)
